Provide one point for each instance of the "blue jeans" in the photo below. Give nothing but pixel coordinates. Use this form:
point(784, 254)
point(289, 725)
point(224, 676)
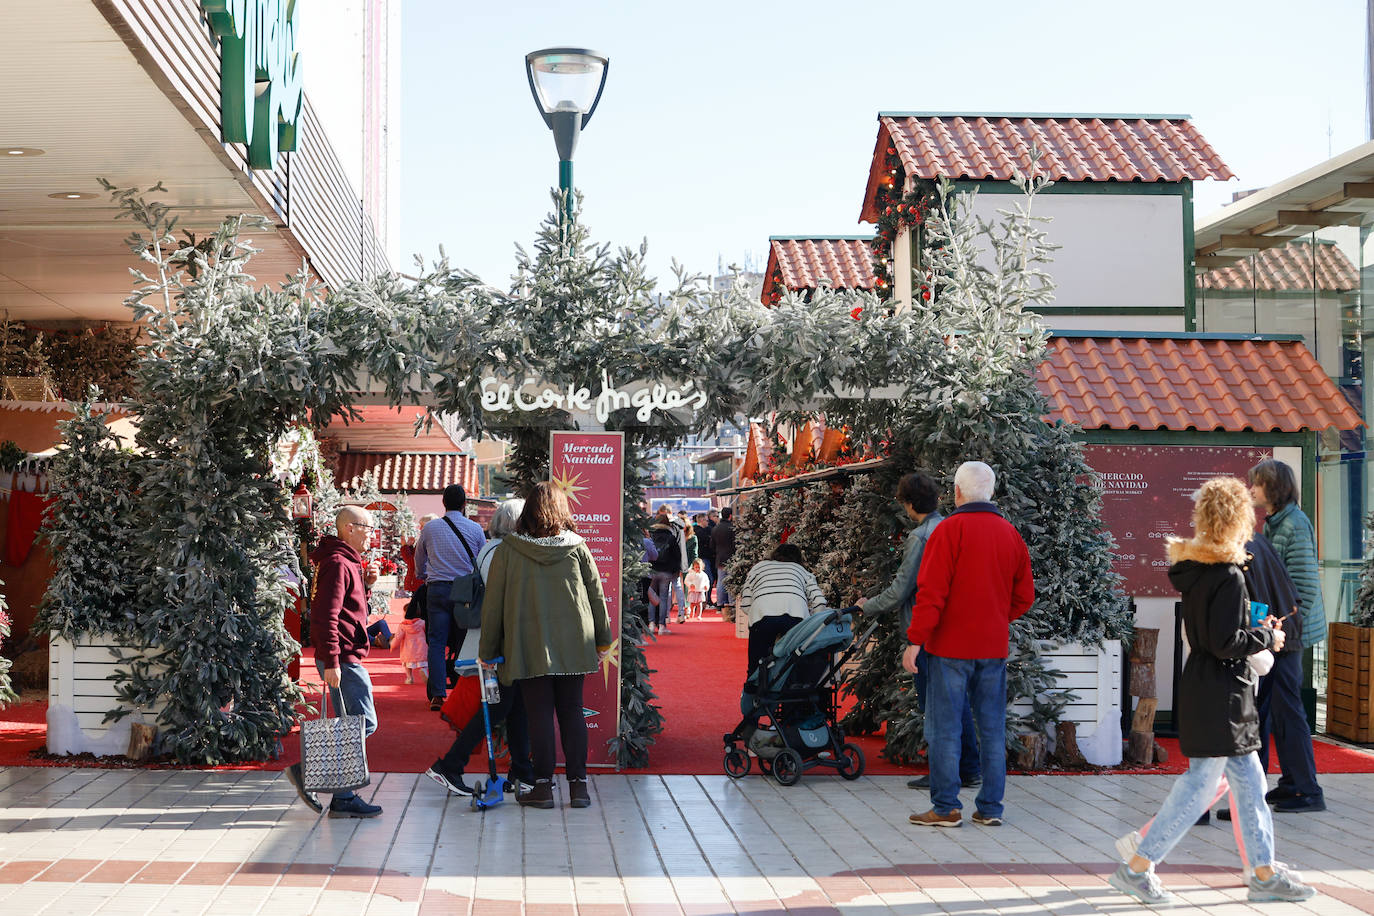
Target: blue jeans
point(661, 584)
point(954, 684)
point(1280, 710)
point(1193, 792)
point(439, 630)
point(969, 767)
point(380, 629)
point(353, 697)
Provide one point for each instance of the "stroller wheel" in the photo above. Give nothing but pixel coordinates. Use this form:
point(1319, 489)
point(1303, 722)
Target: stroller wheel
point(787, 767)
point(736, 763)
point(851, 761)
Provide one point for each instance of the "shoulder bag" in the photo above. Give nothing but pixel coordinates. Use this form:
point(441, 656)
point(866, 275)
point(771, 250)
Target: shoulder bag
point(467, 591)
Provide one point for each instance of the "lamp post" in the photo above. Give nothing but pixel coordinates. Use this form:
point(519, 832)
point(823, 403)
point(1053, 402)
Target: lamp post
point(566, 84)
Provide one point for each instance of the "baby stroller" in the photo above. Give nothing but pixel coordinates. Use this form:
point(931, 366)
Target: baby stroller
point(794, 689)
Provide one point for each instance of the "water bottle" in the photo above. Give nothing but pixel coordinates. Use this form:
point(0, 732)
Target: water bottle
point(491, 687)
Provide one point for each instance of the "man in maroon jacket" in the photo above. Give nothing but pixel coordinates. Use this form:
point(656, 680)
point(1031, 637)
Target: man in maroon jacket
point(975, 579)
point(338, 631)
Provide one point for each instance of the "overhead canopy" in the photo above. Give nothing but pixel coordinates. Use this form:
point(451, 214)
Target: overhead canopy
point(1338, 192)
point(996, 147)
point(409, 472)
point(1194, 382)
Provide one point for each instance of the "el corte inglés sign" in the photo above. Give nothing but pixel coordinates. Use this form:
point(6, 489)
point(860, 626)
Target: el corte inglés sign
point(260, 95)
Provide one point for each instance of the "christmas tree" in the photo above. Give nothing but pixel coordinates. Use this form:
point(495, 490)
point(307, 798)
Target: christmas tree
point(92, 530)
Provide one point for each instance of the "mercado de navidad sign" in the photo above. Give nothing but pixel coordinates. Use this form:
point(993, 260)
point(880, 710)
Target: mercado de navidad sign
point(590, 469)
point(1147, 497)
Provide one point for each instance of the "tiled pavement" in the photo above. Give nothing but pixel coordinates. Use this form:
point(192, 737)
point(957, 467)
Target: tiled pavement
point(76, 842)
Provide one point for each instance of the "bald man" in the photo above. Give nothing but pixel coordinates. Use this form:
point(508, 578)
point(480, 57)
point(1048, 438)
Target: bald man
point(338, 631)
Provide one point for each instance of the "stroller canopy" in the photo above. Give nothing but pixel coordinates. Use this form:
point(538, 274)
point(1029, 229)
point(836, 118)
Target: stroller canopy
point(827, 631)
point(822, 634)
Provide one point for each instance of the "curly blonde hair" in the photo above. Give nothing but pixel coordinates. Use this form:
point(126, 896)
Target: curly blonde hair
point(1223, 520)
point(1223, 512)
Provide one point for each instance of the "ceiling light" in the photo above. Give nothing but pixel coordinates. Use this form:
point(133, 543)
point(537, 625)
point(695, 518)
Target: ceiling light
point(17, 151)
point(73, 195)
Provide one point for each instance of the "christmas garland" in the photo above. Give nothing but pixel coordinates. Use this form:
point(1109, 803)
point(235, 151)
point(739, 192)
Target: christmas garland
point(897, 211)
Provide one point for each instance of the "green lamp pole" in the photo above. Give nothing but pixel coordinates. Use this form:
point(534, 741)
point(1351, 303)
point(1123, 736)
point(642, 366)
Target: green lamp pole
point(566, 84)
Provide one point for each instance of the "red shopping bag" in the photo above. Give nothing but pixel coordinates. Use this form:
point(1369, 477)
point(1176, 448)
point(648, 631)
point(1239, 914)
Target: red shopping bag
point(462, 703)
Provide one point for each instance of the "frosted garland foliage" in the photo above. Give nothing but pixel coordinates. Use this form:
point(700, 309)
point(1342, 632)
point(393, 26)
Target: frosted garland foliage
point(92, 531)
point(227, 369)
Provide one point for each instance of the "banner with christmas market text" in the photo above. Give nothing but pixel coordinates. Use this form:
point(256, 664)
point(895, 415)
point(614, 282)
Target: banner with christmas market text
point(590, 469)
point(1147, 496)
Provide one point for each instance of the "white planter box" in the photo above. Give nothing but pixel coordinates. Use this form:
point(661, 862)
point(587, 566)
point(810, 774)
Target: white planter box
point(1095, 676)
point(80, 693)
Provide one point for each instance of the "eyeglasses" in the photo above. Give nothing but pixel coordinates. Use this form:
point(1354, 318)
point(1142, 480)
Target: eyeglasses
point(368, 527)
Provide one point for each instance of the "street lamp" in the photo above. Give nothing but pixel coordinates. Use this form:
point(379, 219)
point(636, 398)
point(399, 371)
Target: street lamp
point(566, 84)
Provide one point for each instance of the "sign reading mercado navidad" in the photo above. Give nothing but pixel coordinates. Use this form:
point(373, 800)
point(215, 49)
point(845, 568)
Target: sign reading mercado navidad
point(260, 88)
point(590, 469)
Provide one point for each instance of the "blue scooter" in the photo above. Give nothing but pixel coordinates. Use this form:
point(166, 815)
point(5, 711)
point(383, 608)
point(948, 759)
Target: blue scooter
point(491, 793)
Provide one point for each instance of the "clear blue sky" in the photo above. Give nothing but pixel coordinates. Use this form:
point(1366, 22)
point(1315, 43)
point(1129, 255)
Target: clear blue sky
point(724, 123)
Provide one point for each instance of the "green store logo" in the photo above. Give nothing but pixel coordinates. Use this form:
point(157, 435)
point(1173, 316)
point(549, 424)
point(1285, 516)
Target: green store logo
point(260, 95)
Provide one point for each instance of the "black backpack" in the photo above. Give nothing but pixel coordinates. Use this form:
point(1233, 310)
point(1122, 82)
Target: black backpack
point(669, 553)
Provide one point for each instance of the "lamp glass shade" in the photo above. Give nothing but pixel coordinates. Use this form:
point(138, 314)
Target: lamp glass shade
point(301, 507)
point(566, 80)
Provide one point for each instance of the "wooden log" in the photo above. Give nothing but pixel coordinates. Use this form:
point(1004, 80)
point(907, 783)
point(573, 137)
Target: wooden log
point(1144, 718)
point(1143, 680)
point(1140, 748)
point(1161, 755)
point(1146, 644)
point(141, 741)
point(1032, 753)
point(1066, 752)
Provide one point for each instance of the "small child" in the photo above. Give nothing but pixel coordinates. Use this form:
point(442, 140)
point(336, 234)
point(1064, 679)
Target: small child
point(413, 648)
point(697, 585)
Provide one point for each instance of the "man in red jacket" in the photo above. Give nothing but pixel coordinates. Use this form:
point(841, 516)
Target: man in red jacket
point(975, 579)
point(338, 631)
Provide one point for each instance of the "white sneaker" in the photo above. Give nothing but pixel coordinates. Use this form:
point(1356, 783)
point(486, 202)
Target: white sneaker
point(1284, 867)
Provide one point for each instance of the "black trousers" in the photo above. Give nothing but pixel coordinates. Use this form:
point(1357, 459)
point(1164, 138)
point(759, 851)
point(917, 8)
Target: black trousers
point(556, 696)
point(1280, 711)
point(763, 634)
point(511, 710)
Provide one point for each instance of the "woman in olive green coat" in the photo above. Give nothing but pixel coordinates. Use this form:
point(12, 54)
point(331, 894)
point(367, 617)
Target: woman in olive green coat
point(545, 613)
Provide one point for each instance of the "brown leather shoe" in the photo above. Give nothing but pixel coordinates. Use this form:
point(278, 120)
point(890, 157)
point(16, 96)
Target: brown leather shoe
point(578, 794)
point(540, 795)
point(934, 819)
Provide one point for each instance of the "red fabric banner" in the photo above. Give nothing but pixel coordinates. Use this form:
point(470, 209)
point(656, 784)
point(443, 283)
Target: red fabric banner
point(590, 468)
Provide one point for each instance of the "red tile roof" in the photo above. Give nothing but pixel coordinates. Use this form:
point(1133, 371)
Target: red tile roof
point(840, 263)
point(1176, 383)
point(1288, 268)
point(982, 147)
point(413, 472)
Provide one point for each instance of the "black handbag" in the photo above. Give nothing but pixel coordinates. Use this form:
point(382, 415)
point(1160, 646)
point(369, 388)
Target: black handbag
point(467, 591)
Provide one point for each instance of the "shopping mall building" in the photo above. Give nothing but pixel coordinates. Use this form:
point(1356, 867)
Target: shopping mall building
point(283, 110)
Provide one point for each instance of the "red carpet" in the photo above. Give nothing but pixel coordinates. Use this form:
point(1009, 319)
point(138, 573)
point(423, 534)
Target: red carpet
point(698, 673)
